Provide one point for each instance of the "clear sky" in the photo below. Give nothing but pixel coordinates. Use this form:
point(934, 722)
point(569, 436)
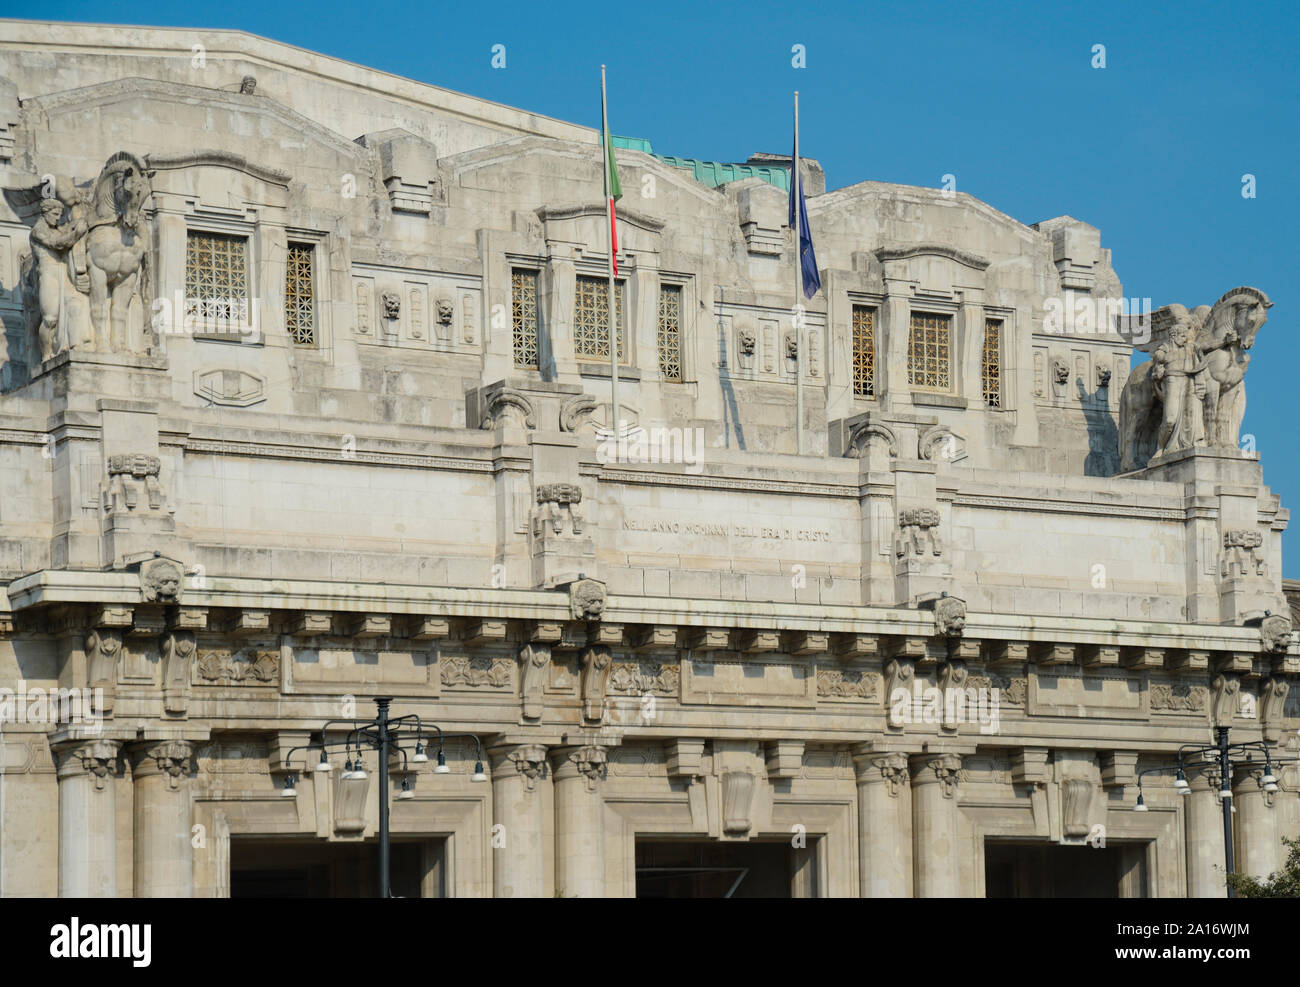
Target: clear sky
point(1151, 149)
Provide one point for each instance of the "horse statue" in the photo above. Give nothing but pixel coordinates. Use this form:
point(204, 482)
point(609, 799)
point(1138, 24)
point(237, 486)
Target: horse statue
point(117, 241)
point(1191, 393)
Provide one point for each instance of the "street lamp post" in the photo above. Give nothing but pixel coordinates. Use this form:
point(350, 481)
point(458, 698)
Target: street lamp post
point(384, 735)
point(1222, 751)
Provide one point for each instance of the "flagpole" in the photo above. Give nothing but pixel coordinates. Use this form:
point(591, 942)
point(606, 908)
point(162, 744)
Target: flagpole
point(607, 146)
point(798, 285)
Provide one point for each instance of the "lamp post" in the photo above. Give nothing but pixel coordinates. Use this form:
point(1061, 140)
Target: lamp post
point(1223, 752)
point(383, 734)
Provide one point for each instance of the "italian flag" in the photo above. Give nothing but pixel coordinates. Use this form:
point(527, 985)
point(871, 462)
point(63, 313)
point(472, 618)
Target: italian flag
point(613, 188)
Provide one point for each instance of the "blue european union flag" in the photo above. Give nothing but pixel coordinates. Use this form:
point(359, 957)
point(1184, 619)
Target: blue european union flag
point(812, 281)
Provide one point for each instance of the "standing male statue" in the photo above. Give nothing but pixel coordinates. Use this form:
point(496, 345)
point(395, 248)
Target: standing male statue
point(52, 244)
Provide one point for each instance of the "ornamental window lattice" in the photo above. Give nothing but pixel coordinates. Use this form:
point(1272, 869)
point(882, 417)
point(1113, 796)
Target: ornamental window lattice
point(929, 352)
point(300, 295)
point(523, 305)
point(864, 351)
point(670, 332)
point(991, 364)
point(591, 320)
point(216, 277)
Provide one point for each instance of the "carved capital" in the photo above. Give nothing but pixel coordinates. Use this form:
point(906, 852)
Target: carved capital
point(97, 759)
point(589, 763)
point(526, 761)
point(936, 769)
point(172, 759)
point(887, 769)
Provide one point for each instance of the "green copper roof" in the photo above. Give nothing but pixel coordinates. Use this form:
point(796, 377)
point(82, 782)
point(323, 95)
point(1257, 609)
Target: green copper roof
point(712, 173)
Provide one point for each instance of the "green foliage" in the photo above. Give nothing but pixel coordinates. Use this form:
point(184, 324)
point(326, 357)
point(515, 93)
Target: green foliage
point(1280, 884)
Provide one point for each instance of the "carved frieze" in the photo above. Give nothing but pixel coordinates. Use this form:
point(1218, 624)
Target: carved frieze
point(838, 683)
point(475, 673)
point(1179, 696)
point(248, 667)
point(644, 678)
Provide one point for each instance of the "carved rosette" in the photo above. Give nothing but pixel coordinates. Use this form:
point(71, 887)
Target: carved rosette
point(170, 758)
point(97, 759)
point(887, 769)
point(596, 663)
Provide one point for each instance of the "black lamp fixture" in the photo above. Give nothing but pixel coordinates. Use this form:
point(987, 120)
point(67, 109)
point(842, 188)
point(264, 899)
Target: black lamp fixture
point(383, 735)
point(1224, 753)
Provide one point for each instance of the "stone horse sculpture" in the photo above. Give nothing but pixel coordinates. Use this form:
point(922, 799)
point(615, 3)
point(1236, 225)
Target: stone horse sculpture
point(117, 241)
point(1191, 393)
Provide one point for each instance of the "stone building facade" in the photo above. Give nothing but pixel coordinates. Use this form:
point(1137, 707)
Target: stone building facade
point(305, 400)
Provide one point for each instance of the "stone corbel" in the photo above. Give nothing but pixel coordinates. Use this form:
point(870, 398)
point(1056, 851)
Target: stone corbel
point(1272, 700)
point(1119, 768)
point(1029, 766)
point(952, 677)
point(1225, 693)
point(737, 802)
point(1076, 806)
point(899, 675)
point(103, 652)
point(177, 654)
point(596, 662)
point(534, 662)
point(685, 757)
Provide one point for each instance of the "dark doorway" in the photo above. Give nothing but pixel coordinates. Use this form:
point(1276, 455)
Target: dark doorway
point(681, 869)
point(1049, 870)
point(301, 869)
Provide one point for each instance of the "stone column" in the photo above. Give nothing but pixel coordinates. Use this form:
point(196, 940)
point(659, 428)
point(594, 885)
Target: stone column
point(884, 825)
point(1203, 833)
point(579, 823)
point(1255, 823)
point(87, 818)
point(519, 777)
point(934, 825)
point(163, 858)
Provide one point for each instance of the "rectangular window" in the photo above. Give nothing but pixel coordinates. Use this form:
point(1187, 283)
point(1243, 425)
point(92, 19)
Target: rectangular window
point(670, 331)
point(523, 305)
point(864, 350)
point(929, 352)
point(591, 320)
point(991, 363)
point(216, 282)
point(300, 294)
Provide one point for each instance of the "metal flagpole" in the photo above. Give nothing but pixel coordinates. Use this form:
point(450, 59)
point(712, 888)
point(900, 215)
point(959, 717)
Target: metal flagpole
point(797, 186)
point(607, 146)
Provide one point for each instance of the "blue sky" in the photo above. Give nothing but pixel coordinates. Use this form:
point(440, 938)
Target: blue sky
point(1151, 149)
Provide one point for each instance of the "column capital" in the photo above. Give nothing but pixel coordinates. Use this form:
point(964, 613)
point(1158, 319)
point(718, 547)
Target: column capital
point(96, 758)
point(1204, 776)
point(588, 762)
point(526, 761)
point(940, 769)
point(875, 768)
point(172, 759)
